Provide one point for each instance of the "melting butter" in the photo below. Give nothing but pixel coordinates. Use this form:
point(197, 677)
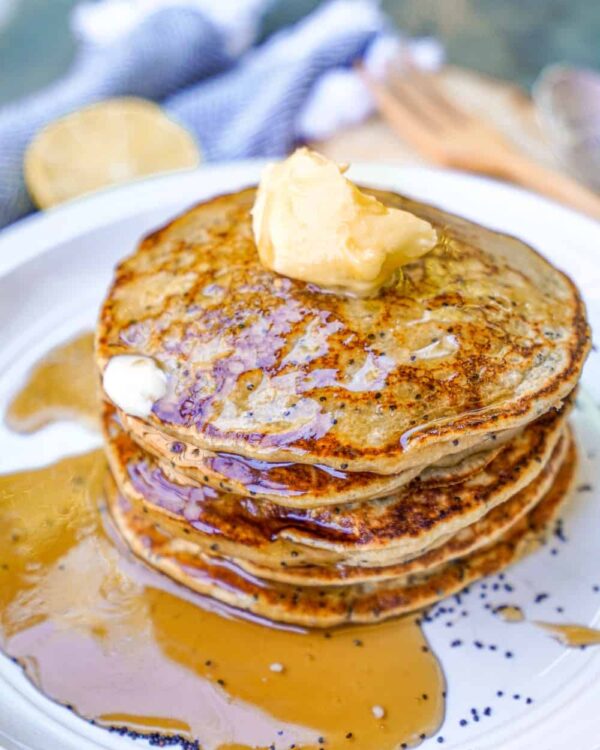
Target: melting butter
point(134, 382)
point(311, 223)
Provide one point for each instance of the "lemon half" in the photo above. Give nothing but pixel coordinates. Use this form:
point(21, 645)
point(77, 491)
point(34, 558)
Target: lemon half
point(108, 143)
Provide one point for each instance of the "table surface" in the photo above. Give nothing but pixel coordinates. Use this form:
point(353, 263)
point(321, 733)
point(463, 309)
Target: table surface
point(506, 104)
point(511, 39)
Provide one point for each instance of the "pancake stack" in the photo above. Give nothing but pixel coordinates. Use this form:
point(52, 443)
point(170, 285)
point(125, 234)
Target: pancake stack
point(319, 459)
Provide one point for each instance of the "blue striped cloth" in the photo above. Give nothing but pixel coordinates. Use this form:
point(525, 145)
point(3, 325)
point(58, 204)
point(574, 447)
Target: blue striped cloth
point(235, 107)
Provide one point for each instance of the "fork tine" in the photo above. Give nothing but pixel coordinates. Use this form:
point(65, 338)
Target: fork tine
point(408, 124)
point(430, 83)
point(426, 97)
point(408, 94)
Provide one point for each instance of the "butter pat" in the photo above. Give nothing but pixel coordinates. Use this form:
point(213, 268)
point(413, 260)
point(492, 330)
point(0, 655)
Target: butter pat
point(134, 382)
point(311, 223)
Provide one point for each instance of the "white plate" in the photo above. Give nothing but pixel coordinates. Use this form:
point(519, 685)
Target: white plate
point(54, 269)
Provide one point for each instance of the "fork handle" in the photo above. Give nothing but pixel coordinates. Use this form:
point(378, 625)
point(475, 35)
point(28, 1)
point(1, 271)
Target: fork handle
point(560, 187)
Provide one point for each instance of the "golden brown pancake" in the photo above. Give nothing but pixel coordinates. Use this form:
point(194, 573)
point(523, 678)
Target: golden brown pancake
point(481, 335)
point(326, 607)
point(479, 534)
point(295, 484)
point(377, 533)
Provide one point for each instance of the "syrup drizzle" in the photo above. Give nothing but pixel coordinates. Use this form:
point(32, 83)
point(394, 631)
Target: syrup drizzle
point(62, 385)
point(572, 635)
point(126, 647)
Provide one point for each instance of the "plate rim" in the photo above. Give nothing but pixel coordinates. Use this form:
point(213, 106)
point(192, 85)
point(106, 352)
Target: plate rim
point(38, 233)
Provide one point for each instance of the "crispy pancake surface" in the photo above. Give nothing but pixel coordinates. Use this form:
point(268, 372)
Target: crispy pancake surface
point(481, 335)
point(479, 534)
point(295, 484)
point(383, 531)
point(334, 605)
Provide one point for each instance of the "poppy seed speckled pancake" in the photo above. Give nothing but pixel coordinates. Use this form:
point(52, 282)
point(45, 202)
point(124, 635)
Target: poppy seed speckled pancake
point(379, 532)
point(482, 334)
point(326, 607)
point(295, 484)
point(479, 534)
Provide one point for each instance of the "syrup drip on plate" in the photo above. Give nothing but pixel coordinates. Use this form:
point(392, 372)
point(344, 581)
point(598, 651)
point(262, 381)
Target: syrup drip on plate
point(127, 648)
point(567, 634)
point(572, 635)
point(62, 385)
point(510, 613)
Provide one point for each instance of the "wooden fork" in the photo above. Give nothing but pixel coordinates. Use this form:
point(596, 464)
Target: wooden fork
point(416, 107)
